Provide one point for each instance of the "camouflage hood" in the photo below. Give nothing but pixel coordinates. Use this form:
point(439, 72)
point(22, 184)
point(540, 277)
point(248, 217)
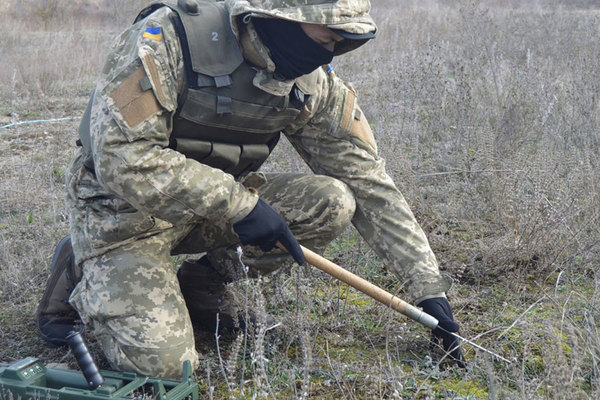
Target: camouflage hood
point(351, 16)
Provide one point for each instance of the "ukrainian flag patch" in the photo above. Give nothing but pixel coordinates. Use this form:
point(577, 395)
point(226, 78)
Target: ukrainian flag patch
point(153, 33)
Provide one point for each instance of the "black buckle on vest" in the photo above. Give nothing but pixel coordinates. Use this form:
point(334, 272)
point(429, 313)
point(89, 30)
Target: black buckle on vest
point(298, 98)
point(222, 81)
point(224, 105)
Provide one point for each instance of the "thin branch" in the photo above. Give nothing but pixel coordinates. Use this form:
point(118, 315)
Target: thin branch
point(221, 364)
point(519, 317)
point(483, 171)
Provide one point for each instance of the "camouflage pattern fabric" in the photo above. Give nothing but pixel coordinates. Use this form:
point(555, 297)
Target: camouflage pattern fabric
point(130, 295)
point(144, 201)
point(348, 15)
point(131, 299)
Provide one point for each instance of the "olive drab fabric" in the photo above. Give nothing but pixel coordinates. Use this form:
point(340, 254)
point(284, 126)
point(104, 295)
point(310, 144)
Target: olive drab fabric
point(223, 120)
point(143, 200)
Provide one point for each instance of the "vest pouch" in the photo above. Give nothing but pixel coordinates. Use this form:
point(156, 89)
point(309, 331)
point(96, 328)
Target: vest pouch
point(252, 157)
point(217, 155)
point(224, 156)
point(201, 108)
point(231, 158)
point(195, 149)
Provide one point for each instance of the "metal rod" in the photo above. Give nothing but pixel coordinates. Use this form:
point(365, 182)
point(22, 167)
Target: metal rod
point(377, 293)
point(456, 335)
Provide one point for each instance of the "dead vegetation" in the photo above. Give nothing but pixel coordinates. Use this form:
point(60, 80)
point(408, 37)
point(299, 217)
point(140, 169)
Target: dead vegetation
point(488, 116)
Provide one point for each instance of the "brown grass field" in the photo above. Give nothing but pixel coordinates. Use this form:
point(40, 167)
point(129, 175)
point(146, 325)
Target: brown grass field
point(487, 113)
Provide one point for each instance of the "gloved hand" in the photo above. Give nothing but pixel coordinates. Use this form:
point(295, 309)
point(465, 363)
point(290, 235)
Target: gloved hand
point(439, 308)
point(264, 227)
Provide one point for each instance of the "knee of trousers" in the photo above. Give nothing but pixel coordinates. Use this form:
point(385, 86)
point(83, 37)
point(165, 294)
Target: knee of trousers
point(335, 206)
point(164, 360)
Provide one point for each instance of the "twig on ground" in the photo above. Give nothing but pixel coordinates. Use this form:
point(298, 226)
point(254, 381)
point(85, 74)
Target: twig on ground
point(519, 317)
point(221, 364)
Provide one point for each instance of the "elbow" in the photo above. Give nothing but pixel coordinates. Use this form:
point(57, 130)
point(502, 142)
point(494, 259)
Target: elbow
point(111, 172)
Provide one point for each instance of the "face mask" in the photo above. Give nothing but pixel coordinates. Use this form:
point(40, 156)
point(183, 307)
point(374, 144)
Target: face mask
point(292, 51)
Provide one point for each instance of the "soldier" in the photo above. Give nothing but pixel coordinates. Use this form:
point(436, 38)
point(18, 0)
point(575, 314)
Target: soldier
point(191, 101)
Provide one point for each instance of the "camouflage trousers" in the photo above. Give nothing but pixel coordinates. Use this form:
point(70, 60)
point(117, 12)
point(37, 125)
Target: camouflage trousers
point(130, 295)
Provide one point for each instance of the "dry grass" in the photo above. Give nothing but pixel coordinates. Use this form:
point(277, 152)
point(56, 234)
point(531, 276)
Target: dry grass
point(488, 116)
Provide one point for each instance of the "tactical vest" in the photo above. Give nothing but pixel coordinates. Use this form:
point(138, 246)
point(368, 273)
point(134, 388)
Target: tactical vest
point(222, 119)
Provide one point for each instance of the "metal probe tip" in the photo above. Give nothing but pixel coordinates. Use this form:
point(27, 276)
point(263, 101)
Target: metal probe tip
point(476, 345)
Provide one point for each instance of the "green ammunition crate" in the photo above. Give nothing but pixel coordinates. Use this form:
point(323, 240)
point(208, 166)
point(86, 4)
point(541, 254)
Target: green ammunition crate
point(29, 378)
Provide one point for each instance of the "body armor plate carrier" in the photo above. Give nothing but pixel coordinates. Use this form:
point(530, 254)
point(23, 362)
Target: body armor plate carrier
point(222, 119)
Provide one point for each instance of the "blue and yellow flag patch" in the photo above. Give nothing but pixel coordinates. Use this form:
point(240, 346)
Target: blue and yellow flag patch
point(153, 33)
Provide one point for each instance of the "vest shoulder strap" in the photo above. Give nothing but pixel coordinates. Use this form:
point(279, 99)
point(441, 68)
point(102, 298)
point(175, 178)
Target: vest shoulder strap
point(207, 34)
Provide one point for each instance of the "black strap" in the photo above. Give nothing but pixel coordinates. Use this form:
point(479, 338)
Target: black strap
point(189, 75)
point(84, 134)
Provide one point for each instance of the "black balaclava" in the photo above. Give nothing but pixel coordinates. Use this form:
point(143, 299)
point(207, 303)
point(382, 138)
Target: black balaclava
point(293, 51)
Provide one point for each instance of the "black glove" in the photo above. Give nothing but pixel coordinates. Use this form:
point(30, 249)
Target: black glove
point(439, 308)
point(264, 227)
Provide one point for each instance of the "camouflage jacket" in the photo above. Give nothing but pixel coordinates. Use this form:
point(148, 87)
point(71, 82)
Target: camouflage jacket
point(134, 164)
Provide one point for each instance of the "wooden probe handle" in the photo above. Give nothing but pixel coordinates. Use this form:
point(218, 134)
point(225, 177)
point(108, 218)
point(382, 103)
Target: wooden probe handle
point(366, 287)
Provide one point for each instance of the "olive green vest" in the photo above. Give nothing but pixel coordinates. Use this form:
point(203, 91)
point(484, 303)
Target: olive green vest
point(222, 120)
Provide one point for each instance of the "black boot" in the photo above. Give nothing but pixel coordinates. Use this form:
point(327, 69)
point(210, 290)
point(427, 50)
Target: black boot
point(55, 316)
point(206, 294)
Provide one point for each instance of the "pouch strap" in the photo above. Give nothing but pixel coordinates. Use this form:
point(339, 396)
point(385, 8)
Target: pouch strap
point(84, 134)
